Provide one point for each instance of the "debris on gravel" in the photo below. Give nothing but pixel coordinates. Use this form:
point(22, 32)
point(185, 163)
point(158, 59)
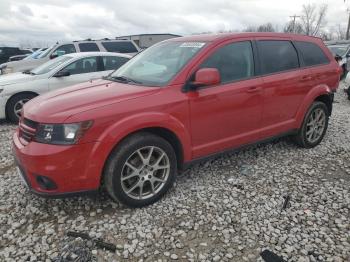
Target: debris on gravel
point(225, 209)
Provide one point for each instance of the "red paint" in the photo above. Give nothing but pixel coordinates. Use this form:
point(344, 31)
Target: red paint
point(205, 121)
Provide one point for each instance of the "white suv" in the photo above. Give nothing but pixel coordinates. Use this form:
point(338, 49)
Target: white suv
point(105, 45)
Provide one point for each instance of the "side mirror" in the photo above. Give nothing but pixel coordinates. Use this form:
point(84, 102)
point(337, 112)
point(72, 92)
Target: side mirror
point(205, 77)
point(338, 58)
point(61, 74)
point(348, 55)
point(53, 55)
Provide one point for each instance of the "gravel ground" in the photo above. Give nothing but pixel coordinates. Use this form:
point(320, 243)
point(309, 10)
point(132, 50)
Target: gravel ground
point(227, 209)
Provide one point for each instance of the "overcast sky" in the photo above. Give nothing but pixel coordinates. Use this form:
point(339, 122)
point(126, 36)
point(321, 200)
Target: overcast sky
point(44, 22)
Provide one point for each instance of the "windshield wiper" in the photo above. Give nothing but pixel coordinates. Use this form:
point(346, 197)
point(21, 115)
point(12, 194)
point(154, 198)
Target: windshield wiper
point(28, 72)
point(123, 79)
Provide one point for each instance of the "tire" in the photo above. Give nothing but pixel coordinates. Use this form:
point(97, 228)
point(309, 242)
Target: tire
point(127, 164)
point(16, 103)
point(305, 133)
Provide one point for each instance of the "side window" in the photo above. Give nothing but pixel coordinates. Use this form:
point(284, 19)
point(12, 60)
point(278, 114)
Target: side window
point(234, 61)
point(65, 49)
point(119, 47)
point(82, 66)
point(277, 56)
point(88, 47)
point(113, 62)
point(312, 54)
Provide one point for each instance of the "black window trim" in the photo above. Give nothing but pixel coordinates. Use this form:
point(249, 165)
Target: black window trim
point(278, 72)
point(253, 76)
point(302, 64)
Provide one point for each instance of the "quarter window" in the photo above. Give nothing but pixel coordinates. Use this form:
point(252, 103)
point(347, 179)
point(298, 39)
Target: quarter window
point(312, 54)
point(277, 56)
point(82, 66)
point(234, 61)
point(113, 62)
point(88, 47)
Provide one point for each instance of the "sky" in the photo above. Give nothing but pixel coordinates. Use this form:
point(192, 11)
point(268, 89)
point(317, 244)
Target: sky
point(44, 22)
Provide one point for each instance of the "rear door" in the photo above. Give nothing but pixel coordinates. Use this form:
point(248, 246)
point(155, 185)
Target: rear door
point(284, 84)
point(82, 70)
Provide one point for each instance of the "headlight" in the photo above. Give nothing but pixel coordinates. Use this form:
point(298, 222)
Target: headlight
point(61, 134)
point(7, 70)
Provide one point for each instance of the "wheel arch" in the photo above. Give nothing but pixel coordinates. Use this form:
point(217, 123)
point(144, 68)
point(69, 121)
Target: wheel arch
point(16, 94)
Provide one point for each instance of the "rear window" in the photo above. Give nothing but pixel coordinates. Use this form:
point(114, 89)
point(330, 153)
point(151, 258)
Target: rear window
point(312, 54)
point(277, 56)
point(88, 47)
point(120, 47)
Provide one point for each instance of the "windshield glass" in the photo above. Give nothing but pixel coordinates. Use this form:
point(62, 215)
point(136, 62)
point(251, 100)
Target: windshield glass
point(45, 53)
point(35, 55)
point(48, 66)
point(158, 64)
point(338, 50)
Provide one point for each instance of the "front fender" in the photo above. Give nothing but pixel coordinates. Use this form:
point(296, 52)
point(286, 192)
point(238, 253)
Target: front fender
point(308, 100)
point(112, 135)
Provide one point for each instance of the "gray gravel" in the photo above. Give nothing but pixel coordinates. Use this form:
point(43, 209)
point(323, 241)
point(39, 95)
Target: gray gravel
point(227, 209)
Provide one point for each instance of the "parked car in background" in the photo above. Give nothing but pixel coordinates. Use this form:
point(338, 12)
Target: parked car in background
point(18, 88)
point(26, 52)
point(341, 50)
point(105, 45)
point(7, 52)
point(36, 54)
point(177, 102)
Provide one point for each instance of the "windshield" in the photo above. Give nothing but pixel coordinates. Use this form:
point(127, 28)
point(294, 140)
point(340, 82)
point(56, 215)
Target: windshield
point(50, 65)
point(45, 53)
point(158, 64)
point(35, 55)
point(338, 50)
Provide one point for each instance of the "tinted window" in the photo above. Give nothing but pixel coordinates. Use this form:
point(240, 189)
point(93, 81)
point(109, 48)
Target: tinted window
point(277, 56)
point(312, 54)
point(88, 47)
point(65, 49)
point(234, 61)
point(113, 62)
point(82, 66)
point(120, 47)
point(26, 51)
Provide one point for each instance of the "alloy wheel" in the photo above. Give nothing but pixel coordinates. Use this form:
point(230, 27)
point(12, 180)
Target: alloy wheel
point(145, 172)
point(315, 125)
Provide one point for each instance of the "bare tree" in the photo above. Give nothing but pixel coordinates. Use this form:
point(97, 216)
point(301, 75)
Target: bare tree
point(250, 28)
point(313, 18)
point(340, 32)
point(292, 27)
point(268, 27)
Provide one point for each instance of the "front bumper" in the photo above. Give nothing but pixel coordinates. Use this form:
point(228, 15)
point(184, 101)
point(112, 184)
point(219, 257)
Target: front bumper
point(2, 107)
point(71, 168)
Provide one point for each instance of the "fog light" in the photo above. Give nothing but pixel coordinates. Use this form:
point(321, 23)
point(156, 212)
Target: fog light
point(46, 183)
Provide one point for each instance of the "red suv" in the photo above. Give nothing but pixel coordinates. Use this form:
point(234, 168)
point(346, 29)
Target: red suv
point(179, 101)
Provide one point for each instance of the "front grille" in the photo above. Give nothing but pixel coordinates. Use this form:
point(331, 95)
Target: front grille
point(27, 130)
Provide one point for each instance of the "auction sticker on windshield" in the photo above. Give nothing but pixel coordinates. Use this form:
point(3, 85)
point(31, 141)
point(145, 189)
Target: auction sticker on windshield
point(193, 44)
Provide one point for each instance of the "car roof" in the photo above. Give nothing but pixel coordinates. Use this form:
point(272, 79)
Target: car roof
point(88, 54)
point(228, 36)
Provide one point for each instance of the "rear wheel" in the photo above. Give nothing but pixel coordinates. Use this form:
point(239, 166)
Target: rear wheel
point(140, 170)
point(15, 104)
point(314, 126)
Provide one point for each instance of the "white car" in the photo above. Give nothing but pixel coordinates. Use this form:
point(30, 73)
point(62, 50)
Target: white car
point(105, 45)
point(18, 88)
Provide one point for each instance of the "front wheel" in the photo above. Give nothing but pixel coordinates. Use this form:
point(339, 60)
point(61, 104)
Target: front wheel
point(15, 104)
point(314, 126)
point(140, 170)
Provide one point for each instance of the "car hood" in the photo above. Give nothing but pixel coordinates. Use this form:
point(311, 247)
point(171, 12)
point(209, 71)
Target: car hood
point(22, 65)
point(15, 78)
point(58, 106)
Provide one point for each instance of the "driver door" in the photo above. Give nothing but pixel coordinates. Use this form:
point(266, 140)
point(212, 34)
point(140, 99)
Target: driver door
point(229, 114)
point(82, 70)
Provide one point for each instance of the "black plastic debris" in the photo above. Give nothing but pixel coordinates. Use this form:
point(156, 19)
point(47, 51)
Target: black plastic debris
point(269, 256)
point(286, 202)
point(97, 241)
point(75, 251)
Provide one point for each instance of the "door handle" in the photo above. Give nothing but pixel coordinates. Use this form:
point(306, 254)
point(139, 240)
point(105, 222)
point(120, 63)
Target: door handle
point(254, 89)
point(306, 78)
